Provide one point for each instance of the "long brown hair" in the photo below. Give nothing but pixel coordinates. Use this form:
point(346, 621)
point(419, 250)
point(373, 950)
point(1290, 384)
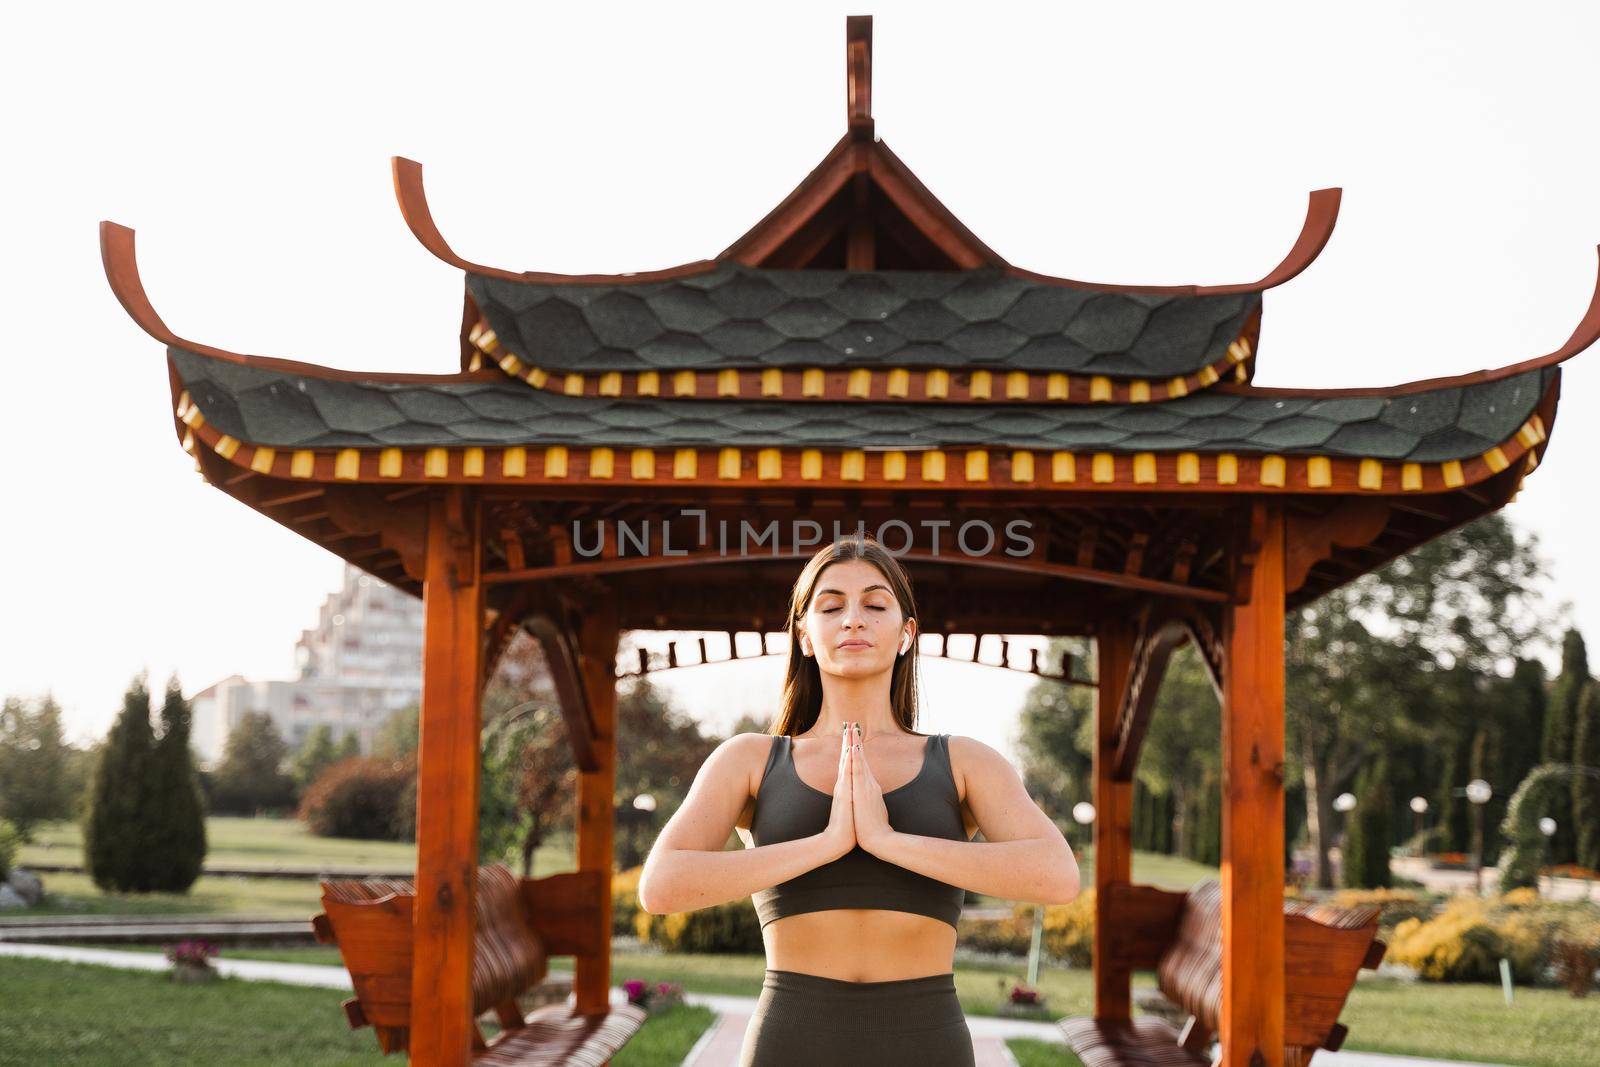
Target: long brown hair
point(802, 686)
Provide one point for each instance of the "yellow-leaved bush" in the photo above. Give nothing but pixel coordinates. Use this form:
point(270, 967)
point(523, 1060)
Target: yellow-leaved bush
point(1467, 939)
point(730, 927)
point(1068, 934)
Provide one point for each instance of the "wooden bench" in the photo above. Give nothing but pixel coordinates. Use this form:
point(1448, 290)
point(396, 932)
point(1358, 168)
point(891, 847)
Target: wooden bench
point(1179, 936)
point(520, 923)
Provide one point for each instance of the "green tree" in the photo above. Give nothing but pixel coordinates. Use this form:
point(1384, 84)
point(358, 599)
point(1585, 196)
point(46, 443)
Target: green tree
point(174, 823)
point(114, 850)
point(1181, 757)
point(1522, 703)
point(1055, 741)
point(316, 754)
point(398, 734)
point(349, 745)
point(1586, 787)
point(36, 783)
point(1366, 849)
point(1560, 726)
point(1407, 658)
point(665, 748)
point(250, 777)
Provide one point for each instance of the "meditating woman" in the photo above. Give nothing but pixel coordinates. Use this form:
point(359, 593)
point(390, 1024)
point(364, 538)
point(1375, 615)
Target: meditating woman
point(857, 833)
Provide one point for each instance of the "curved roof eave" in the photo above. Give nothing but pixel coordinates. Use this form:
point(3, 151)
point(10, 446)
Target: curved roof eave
point(1583, 335)
point(1322, 213)
point(119, 258)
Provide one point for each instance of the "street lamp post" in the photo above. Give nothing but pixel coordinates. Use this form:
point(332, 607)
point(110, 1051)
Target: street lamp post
point(1344, 803)
point(1083, 815)
point(1419, 805)
point(1478, 792)
point(1547, 827)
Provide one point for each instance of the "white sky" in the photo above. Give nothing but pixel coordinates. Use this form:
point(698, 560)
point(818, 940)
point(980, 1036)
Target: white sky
point(1119, 143)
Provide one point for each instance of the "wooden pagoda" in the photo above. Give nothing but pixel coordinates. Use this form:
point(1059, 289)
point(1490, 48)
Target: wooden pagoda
point(857, 357)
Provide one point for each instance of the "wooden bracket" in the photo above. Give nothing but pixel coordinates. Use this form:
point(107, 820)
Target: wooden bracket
point(553, 624)
point(401, 526)
point(1161, 631)
point(1312, 538)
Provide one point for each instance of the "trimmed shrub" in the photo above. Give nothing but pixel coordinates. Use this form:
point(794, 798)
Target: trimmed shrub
point(1467, 939)
point(1394, 905)
point(114, 849)
point(361, 798)
point(1068, 935)
point(625, 901)
point(174, 815)
point(730, 927)
point(1069, 930)
point(10, 841)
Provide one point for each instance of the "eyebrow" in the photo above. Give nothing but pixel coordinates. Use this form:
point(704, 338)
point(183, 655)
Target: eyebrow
point(868, 589)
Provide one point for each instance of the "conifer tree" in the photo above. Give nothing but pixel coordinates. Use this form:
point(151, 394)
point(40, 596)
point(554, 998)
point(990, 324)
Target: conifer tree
point(1560, 720)
point(1586, 787)
point(113, 848)
point(174, 825)
point(1366, 847)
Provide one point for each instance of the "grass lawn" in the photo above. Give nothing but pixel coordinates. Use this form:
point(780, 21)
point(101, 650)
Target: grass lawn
point(244, 842)
point(69, 1015)
point(76, 894)
point(1471, 1021)
point(1543, 1028)
point(1070, 992)
point(1031, 1053)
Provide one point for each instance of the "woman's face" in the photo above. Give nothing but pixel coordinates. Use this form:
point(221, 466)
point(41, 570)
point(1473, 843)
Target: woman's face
point(854, 626)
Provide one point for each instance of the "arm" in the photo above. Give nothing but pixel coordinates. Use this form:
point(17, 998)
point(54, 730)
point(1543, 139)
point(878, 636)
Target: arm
point(687, 867)
point(1023, 855)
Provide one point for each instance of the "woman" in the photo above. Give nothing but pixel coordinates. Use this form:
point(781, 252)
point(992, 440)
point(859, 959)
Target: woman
point(857, 833)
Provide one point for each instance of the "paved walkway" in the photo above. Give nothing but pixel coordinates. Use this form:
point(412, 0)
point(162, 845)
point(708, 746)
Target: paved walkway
point(718, 1046)
point(1448, 881)
point(309, 974)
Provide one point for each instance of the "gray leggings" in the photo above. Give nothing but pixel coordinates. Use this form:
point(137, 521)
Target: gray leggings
point(805, 1019)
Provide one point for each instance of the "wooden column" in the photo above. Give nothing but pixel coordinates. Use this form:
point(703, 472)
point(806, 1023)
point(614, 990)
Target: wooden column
point(1113, 815)
point(447, 784)
point(597, 655)
point(1252, 812)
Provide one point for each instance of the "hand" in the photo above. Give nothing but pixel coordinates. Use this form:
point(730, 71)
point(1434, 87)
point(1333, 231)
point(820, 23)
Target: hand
point(871, 813)
point(840, 833)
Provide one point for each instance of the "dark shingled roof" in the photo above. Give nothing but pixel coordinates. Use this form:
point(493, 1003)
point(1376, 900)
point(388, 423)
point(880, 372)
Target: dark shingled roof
point(292, 410)
point(737, 316)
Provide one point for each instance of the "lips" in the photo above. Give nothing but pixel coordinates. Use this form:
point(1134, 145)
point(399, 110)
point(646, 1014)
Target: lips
point(855, 644)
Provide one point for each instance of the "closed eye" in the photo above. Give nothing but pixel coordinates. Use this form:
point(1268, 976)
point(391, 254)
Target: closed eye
point(870, 607)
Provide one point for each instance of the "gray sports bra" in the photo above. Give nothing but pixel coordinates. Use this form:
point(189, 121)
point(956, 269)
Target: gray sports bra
point(787, 808)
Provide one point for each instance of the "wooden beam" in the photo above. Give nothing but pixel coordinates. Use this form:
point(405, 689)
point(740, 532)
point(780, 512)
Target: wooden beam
point(597, 656)
point(1113, 817)
point(550, 624)
point(1252, 813)
point(620, 564)
point(447, 784)
point(1161, 633)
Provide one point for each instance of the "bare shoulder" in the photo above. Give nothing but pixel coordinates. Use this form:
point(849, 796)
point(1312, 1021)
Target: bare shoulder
point(973, 762)
point(742, 754)
point(746, 754)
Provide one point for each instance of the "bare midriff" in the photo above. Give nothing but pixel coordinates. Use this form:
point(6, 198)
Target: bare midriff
point(861, 944)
